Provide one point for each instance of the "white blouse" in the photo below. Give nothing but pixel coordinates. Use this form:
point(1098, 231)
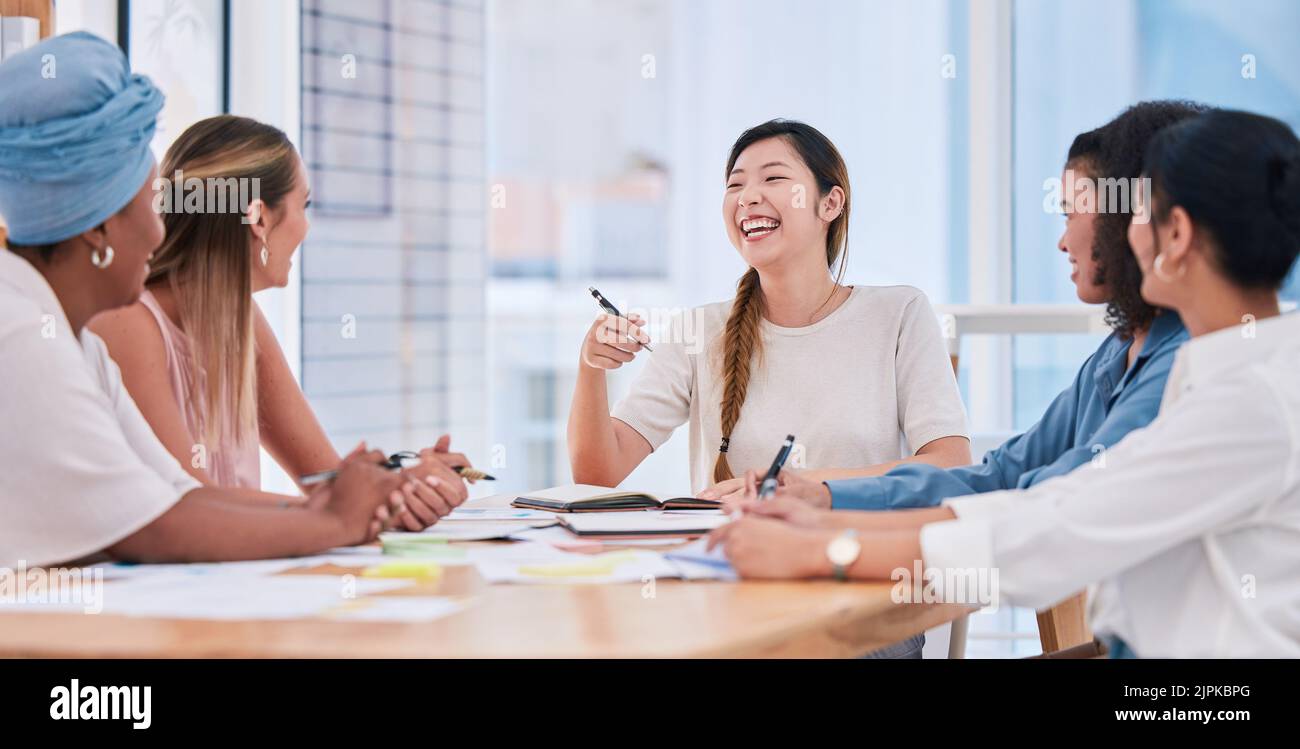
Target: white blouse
point(80, 468)
point(869, 383)
point(1190, 527)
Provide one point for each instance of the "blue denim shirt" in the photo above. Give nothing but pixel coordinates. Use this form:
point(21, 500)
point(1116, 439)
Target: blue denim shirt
point(1106, 401)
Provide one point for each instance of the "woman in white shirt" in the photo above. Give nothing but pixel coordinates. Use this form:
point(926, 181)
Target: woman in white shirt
point(81, 472)
point(1190, 527)
point(853, 372)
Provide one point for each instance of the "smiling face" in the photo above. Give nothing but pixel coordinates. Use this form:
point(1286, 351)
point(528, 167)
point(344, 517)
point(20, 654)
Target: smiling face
point(1079, 207)
point(772, 209)
point(283, 230)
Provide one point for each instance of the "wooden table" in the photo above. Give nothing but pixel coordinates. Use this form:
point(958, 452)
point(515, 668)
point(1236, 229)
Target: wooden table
point(681, 619)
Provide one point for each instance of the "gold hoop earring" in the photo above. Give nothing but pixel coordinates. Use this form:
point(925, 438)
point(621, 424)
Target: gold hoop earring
point(101, 261)
point(1159, 268)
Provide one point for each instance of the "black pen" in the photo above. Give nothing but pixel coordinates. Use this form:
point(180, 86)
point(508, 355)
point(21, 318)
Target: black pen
point(611, 309)
point(394, 463)
point(768, 487)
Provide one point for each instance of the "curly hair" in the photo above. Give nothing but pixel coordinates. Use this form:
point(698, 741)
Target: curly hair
point(1115, 151)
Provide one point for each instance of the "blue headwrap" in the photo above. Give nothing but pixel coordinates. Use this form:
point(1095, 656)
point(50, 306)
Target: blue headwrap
point(75, 127)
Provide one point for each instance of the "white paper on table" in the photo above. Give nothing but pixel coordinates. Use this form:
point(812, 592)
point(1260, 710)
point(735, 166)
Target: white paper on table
point(642, 521)
point(349, 556)
point(124, 571)
point(518, 552)
point(498, 514)
point(558, 536)
point(239, 597)
point(466, 531)
point(697, 562)
point(396, 609)
point(626, 566)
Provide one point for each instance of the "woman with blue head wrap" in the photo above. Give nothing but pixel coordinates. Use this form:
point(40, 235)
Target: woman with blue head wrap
point(81, 472)
point(76, 171)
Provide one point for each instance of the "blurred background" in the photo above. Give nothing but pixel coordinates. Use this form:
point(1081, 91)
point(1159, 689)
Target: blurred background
point(477, 164)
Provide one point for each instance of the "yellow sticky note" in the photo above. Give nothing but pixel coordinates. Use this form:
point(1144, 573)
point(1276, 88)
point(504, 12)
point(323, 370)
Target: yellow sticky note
point(603, 564)
point(405, 569)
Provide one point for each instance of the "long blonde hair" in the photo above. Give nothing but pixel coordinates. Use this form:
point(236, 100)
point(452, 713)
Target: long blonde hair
point(741, 341)
point(206, 262)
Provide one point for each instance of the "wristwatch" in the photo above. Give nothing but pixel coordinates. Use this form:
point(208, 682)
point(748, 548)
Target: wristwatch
point(843, 551)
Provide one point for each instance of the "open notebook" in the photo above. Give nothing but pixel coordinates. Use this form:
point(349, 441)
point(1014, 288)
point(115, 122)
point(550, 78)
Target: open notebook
point(585, 498)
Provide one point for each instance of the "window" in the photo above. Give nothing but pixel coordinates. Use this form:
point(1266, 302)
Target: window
point(392, 272)
point(609, 127)
point(1077, 65)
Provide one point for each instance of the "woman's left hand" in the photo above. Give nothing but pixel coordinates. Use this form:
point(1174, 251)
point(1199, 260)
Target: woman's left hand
point(442, 452)
point(436, 488)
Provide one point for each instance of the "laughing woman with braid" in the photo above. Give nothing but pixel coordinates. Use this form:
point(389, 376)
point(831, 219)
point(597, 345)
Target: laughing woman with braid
point(854, 372)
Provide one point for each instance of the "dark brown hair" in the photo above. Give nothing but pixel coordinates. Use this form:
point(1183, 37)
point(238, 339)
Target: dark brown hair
point(1115, 151)
point(741, 341)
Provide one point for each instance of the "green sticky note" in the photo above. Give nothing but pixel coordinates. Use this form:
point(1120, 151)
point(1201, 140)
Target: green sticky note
point(421, 546)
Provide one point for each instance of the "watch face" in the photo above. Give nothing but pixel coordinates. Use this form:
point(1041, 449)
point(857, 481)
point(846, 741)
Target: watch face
point(843, 551)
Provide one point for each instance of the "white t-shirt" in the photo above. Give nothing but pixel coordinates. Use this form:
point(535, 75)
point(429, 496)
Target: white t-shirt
point(853, 388)
point(80, 468)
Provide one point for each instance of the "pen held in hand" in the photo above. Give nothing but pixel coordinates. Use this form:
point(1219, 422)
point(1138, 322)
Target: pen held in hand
point(770, 482)
point(611, 309)
point(473, 474)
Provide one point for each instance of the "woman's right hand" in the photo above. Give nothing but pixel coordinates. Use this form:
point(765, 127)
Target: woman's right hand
point(360, 493)
point(613, 341)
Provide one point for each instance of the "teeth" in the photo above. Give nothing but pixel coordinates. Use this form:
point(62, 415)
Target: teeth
point(750, 225)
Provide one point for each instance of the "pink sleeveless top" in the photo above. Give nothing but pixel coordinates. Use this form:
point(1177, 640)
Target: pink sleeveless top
point(229, 465)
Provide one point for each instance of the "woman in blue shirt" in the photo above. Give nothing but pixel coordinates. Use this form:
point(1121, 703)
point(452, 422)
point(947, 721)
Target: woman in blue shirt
point(1118, 388)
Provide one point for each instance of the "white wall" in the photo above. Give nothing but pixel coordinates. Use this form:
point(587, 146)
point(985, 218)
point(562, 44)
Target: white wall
point(99, 17)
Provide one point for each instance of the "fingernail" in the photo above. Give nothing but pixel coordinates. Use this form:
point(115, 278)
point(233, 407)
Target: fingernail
point(431, 480)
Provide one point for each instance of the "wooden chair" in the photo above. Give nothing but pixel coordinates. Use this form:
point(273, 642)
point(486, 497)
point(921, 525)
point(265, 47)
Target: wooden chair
point(43, 11)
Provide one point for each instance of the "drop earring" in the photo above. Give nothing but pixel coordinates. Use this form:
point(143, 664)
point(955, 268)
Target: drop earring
point(101, 261)
point(265, 256)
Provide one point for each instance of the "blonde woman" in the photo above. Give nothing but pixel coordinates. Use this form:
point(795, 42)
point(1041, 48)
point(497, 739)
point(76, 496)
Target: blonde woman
point(196, 353)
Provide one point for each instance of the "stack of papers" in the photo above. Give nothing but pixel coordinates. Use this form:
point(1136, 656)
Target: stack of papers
point(643, 523)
